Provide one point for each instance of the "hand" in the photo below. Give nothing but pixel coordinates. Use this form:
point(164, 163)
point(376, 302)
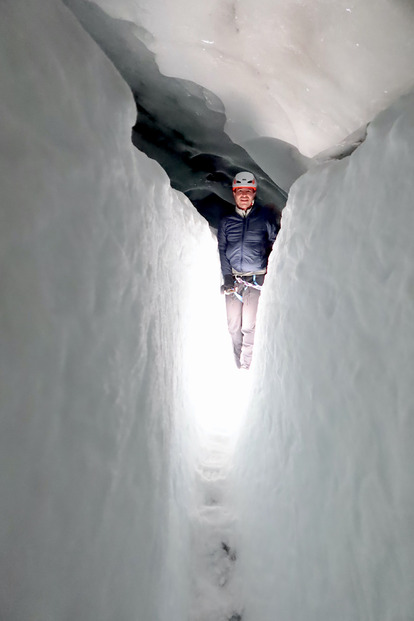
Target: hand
point(228, 286)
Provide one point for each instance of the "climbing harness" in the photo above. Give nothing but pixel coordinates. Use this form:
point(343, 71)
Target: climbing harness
point(238, 291)
point(254, 284)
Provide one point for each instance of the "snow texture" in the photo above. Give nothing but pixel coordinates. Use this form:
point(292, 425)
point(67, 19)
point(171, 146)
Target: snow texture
point(100, 265)
point(120, 493)
point(327, 506)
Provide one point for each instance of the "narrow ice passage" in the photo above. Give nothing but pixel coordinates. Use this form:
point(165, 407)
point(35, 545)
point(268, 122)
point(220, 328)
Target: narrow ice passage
point(214, 542)
point(115, 504)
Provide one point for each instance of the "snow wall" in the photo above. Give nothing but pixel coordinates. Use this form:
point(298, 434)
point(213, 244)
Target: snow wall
point(97, 440)
point(325, 465)
point(95, 472)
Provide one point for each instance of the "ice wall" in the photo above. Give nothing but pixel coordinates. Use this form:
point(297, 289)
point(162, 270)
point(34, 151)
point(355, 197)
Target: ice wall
point(324, 469)
point(95, 438)
point(307, 72)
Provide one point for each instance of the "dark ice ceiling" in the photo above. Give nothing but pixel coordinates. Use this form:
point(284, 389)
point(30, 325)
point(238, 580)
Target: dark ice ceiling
point(180, 124)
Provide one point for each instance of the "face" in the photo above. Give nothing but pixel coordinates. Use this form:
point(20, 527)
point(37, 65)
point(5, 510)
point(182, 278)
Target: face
point(244, 197)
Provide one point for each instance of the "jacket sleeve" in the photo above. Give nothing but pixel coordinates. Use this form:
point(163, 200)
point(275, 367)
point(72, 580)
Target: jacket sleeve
point(273, 229)
point(222, 246)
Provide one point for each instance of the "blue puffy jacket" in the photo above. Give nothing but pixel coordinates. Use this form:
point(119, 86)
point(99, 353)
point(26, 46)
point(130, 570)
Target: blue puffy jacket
point(245, 242)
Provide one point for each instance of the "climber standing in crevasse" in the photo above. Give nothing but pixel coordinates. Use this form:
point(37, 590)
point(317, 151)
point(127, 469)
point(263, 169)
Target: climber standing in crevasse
point(245, 240)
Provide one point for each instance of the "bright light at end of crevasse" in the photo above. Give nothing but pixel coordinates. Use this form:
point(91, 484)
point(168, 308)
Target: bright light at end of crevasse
point(218, 392)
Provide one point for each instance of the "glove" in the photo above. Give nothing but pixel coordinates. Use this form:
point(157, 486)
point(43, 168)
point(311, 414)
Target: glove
point(228, 283)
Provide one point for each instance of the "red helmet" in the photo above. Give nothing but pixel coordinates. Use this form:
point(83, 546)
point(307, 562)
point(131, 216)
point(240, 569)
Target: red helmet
point(244, 180)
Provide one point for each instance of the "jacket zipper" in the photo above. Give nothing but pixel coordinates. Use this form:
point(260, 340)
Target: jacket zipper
point(242, 243)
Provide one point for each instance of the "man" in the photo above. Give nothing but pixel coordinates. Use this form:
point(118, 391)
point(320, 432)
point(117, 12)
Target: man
point(245, 240)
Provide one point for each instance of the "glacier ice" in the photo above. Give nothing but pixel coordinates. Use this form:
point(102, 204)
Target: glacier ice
point(327, 505)
point(180, 124)
point(115, 503)
point(96, 428)
point(306, 72)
